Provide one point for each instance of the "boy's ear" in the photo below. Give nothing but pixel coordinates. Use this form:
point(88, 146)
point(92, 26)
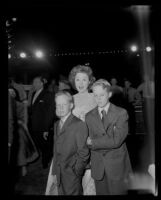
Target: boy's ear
point(110, 94)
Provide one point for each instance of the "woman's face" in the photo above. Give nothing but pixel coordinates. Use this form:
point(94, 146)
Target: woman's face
point(81, 82)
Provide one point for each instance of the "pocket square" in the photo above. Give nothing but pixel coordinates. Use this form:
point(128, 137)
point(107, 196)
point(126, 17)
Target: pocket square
point(41, 101)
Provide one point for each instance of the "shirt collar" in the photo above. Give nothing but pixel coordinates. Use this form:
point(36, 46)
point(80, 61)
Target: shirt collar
point(104, 108)
point(65, 118)
point(38, 91)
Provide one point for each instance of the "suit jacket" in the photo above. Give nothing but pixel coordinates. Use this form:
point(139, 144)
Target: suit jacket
point(42, 112)
point(70, 154)
point(108, 151)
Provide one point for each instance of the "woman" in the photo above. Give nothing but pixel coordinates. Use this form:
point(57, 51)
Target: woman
point(81, 78)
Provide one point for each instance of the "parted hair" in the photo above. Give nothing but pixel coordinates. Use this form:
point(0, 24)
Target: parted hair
point(81, 69)
point(62, 92)
point(102, 82)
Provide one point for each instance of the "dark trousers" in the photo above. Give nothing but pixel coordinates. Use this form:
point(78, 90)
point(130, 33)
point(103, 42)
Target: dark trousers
point(107, 186)
point(44, 147)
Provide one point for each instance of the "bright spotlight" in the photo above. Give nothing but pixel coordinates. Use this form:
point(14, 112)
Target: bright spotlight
point(134, 48)
point(148, 49)
point(23, 55)
point(9, 55)
point(14, 19)
point(39, 54)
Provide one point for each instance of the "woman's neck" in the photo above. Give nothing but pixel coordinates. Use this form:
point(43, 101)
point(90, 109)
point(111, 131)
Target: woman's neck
point(83, 93)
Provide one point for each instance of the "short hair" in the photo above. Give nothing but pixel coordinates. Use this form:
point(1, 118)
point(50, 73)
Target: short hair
point(42, 78)
point(81, 69)
point(63, 92)
point(102, 82)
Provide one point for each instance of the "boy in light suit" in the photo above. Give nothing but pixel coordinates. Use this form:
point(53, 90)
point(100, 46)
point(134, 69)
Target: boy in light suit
point(108, 128)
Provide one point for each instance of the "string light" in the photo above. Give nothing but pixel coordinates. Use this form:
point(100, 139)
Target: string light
point(39, 54)
point(148, 49)
point(23, 55)
point(9, 56)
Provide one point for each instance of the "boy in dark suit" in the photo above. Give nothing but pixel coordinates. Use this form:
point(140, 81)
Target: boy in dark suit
point(71, 153)
point(108, 128)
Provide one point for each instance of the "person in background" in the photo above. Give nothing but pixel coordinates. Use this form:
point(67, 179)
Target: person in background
point(117, 92)
point(130, 98)
point(147, 90)
point(70, 151)
point(64, 85)
point(52, 86)
point(41, 117)
point(11, 122)
point(108, 129)
point(23, 149)
point(19, 88)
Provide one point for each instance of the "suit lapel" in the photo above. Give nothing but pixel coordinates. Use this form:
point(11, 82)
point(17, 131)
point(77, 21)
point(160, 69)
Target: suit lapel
point(108, 119)
point(110, 116)
point(65, 125)
point(39, 97)
point(97, 119)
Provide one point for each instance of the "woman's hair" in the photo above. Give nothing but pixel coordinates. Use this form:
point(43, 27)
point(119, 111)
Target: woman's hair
point(81, 69)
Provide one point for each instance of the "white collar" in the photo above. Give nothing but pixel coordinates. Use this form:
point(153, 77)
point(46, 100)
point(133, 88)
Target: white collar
point(65, 118)
point(38, 91)
point(104, 108)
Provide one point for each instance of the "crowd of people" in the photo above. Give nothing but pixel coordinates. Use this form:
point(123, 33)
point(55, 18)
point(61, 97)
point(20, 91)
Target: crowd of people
point(78, 126)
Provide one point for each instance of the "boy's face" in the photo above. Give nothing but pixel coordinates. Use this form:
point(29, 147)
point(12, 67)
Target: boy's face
point(63, 106)
point(101, 96)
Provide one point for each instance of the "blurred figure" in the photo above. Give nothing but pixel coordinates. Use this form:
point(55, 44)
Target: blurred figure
point(23, 149)
point(117, 93)
point(11, 129)
point(130, 97)
point(64, 85)
point(147, 89)
point(41, 117)
point(52, 86)
point(19, 88)
point(11, 122)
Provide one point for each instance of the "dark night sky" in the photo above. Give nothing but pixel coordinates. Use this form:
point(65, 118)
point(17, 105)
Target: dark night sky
point(71, 27)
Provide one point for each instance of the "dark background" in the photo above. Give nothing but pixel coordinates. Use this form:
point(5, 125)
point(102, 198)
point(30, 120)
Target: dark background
point(75, 27)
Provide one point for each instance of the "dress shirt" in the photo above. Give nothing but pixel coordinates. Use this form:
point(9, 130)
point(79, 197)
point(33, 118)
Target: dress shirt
point(62, 121)
point(36, 95)
point(104, 108)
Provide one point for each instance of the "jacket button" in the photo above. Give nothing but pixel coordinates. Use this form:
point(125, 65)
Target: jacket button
point(103, 134)
point(104, 154)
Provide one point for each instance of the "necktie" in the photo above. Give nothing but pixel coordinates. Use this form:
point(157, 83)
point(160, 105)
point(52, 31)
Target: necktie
point(103, 112)
point(60, 124)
